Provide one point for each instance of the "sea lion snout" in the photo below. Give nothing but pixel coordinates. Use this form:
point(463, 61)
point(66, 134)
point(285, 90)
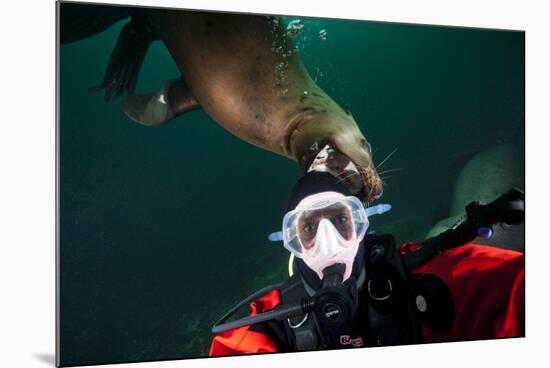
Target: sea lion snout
point(373, 184)
point(349, 157)
point(356, 170)
point(353, 146)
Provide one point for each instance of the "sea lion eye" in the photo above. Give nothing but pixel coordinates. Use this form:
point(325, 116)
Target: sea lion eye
point(366, 145)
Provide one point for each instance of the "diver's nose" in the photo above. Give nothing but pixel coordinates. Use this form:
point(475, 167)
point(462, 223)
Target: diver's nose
point(325, 238)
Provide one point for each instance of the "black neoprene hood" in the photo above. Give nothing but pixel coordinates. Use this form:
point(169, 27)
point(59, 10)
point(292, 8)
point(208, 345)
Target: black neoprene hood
point(312, 183)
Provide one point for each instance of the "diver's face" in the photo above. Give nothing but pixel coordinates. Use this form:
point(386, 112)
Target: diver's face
point(338, 214)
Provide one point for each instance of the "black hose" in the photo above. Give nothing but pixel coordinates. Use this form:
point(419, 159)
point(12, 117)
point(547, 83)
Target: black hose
point(279, 313)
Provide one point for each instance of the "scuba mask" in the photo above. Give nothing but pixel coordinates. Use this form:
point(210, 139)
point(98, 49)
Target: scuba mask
point(326, 229)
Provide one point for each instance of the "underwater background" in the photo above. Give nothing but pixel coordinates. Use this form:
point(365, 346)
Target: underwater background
point(162, 230)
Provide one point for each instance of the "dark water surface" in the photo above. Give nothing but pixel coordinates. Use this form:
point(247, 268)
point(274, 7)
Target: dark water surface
point(162, 230)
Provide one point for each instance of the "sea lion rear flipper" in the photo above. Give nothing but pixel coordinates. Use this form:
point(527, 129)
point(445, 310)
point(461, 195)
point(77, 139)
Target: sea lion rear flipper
point(172, 100)
point(126, 59)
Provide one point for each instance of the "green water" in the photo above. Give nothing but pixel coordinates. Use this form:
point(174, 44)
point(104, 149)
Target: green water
point(164, 229)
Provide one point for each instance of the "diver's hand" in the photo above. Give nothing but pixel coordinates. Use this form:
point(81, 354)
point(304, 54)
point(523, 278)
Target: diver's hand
point(508, 208)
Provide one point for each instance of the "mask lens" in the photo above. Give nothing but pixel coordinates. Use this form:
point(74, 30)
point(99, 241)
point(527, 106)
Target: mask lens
point(338, 214)
point(346, 215)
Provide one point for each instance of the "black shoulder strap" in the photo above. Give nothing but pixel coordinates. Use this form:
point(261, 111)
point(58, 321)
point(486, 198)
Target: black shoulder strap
point(302, 331)
point(392, 318)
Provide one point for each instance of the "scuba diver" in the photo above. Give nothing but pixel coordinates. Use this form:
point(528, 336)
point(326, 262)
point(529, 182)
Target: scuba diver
point(352, 288)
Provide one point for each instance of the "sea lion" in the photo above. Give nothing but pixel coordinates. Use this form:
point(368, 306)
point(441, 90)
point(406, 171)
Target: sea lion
point(483, 178)
point(245, 72)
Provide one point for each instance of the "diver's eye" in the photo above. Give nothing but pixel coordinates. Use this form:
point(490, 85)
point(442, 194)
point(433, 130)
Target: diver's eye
point(341, 220)
point(307, 228)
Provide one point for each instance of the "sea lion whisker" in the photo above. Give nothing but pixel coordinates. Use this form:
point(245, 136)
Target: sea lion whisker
point(349, 174)
point(389, 170)
point(345, 177)
point(386, 159)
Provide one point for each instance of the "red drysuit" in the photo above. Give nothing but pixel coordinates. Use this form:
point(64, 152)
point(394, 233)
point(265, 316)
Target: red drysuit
point(486, 283)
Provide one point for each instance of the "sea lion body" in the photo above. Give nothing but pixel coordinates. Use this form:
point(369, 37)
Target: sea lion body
point(229, 63)
point(245, 72)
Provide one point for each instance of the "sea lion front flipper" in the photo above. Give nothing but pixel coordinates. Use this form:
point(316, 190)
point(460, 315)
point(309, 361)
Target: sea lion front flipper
point(126, 59)
point(155, 109)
